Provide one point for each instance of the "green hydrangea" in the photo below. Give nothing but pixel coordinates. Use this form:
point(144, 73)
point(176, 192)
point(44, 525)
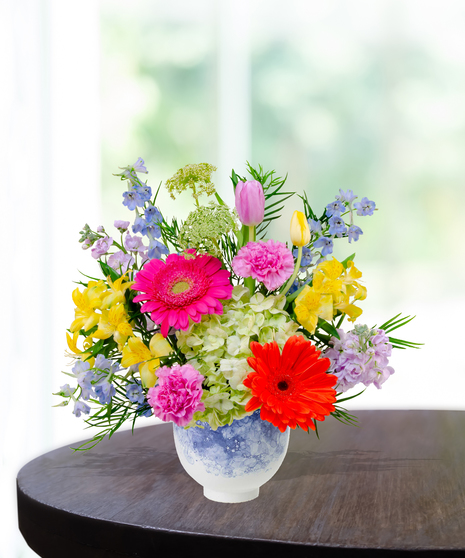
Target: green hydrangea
point(204, 227)
point(197, 177)
point(218, 347)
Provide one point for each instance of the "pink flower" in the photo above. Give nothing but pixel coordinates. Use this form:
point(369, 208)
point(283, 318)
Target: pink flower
point(134, 243)
point(250, 202)
point(177, 394)
point(101, 247)
point(181, 289)
point(271, 263)
point(121, 225)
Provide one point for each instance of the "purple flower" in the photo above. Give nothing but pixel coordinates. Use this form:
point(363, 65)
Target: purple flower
point(101, 247)
point(177, 395)
point(354, 232)
point(81, 407)
point(132, 200)
point(348, 196)
point(120, 261)
point(315, 226)
point(121, 225)
point(271, 263)
point(365, 207)
point(134, 243)
point(139, 166)
point(335, 208)
point(326, 245)
point(250, 202)
point(337, 226)
point(100, 229)
point(139, 225)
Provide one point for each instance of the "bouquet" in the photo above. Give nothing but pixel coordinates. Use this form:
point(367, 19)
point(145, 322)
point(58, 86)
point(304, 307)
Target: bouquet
point(208, 320)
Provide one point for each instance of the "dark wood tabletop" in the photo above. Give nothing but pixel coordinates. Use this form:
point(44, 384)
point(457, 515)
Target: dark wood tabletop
point(394, 486)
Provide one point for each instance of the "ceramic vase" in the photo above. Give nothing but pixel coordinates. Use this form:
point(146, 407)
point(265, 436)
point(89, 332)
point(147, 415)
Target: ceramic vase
point(232, 462)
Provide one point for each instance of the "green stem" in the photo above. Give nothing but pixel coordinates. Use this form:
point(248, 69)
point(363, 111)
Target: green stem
point(296, 271)
point(248, 281)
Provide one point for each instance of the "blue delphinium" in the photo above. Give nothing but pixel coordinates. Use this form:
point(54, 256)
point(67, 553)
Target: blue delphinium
point(365, 207)
point(326, 244)
point(337, 226)
point(335, 208)
point(144, 411)
point(347, 196)
point(135, 393)
point(144, 191)
point(139, 224)
point(153, 214)
point(156, 249)
point(354, 232)
point(104, 390)
point(81, 407)
point(315, 226)
point(132, 200)
point(306, 260)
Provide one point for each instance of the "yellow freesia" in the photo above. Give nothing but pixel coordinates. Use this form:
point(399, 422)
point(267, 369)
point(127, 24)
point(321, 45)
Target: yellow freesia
point(77, 353)
point(300, 233)
point(115, 294)
point(311, 305)
point(86, 304)
point(114, 322)
point(136, 352)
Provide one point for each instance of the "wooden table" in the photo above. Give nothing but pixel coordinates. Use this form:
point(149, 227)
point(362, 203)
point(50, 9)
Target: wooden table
point(392, 486)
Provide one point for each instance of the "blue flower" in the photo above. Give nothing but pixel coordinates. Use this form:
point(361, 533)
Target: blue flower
point(354, 233)
point(152, 230)
point(104, 390)
point(143, 411)
point(365, 207)
point(315, 226)
point(144, 191)
point(132, 200)
point(139, 224)
point(295, 285)
point(80, 407)
point(306, 260)
point(139, 166)
point(135, 394)
point(102, 363)
point(337, 225)
point(335, 208)
point(156, 249)
point(326, 244)
point(348, 196)
point(153, 214)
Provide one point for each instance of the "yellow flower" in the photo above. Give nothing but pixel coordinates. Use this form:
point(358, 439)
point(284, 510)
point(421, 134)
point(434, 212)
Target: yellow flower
point(136, 352)
point(311, 305)
point(77, 353)
point(115, 294)
point(86, 304)
point(114, 322)
point(300, 233)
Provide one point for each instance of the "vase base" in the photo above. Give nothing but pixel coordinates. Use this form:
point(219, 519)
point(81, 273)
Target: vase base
point(230, 497)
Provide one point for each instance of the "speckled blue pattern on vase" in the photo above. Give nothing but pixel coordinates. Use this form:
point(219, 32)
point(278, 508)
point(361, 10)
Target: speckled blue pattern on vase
point(248, 446)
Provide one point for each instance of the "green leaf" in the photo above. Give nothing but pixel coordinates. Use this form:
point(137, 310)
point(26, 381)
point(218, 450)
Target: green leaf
point(347, 260)
point(329, 328)
point(108, 271)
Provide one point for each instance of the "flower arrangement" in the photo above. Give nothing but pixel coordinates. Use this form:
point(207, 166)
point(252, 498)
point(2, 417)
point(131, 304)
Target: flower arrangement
point(207, 320)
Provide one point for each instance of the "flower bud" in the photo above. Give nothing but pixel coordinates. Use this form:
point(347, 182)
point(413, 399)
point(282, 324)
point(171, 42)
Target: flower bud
point(300, 233)
point(250, 202)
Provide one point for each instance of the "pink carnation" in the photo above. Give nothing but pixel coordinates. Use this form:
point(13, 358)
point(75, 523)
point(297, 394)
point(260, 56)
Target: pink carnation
point(176, 397)
point(271, 263)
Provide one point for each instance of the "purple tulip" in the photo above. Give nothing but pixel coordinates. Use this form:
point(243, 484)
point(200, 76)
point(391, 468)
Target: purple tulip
point(250, 202)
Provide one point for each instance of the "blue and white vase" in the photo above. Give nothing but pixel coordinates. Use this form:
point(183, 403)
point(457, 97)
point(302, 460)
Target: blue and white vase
point(232, 462)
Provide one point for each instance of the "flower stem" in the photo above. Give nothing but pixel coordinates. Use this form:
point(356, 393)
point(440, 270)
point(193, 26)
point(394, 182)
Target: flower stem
point(296, 271)
point(249, 282)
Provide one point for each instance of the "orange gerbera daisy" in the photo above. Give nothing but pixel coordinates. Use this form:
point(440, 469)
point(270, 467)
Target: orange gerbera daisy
point(291, 388)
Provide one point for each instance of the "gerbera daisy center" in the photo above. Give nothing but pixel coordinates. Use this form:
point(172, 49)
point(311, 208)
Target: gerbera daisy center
point(180, 287)
point(283, 385)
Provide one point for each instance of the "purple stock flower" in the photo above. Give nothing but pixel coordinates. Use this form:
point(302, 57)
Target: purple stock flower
point(354, 232)
point(337, 226)
point(326, 245)
point(365, 207)
point(121, 225)
point(120, 261)
point(134, 243)
point(335, 208)
point(101, 247)
point(250, 202)
point(132, 200)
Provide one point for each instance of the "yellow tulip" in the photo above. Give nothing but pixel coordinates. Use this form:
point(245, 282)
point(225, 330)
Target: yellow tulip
point(300, 233)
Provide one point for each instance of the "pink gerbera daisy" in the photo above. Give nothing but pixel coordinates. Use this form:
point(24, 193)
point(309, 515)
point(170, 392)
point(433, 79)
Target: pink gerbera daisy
point(181, 289)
